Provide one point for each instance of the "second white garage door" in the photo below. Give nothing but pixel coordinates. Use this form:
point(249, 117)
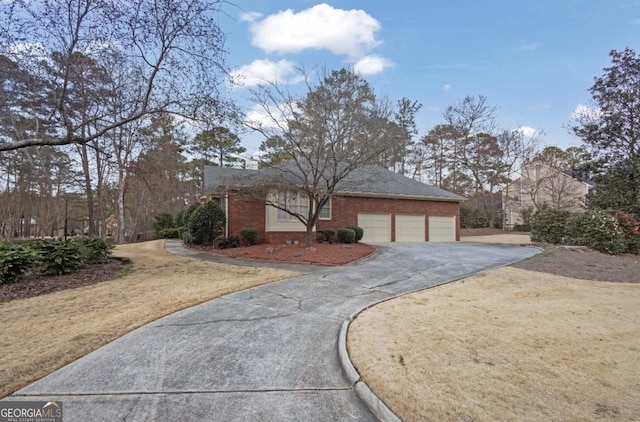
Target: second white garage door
point(410, 228)
point(377, 227)
point(442, 229)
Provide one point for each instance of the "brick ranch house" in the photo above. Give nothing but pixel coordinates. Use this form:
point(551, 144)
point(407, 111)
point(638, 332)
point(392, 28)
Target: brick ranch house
point(388, 206)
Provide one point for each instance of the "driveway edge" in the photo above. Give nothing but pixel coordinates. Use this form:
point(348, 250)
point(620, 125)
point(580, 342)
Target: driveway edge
point(371, 400)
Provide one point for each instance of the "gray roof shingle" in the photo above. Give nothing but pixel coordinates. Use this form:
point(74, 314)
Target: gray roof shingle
point(369, 180)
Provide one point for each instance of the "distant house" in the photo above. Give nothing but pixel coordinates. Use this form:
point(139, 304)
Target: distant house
point(541, 186)
point(388, 206)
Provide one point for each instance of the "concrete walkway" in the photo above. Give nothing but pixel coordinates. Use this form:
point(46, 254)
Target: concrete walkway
point(265, 354)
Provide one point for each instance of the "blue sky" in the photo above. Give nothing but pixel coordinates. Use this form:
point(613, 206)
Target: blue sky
point(535, 60)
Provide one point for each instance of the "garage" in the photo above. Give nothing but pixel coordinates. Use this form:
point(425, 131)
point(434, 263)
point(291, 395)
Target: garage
point(410, 228)
point(442, 229)
point(377, 227)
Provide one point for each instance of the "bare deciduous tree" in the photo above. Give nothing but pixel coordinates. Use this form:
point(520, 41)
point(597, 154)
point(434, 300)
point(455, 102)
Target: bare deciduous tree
point(338, 126)
point(167, 54)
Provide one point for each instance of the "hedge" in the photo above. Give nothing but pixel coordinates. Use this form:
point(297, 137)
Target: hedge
point(608, 231)
point(346, 235)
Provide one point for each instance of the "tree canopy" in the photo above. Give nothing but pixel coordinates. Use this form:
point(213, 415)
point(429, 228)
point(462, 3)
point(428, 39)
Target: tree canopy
point(78, 69)
point(337, 126)
point(611, 130)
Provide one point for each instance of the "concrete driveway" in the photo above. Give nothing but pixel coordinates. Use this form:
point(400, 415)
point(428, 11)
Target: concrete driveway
point(265, 354)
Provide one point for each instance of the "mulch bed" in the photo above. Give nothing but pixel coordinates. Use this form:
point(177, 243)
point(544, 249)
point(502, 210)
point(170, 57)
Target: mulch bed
point(584, 263)
point(319, 253)
point(36, 284)
point(581, 263)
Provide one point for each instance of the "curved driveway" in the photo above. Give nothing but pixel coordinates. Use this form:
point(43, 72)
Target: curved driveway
point(263, 354)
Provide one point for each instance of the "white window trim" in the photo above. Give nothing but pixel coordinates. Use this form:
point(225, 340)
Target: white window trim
point(284, 217)
point(329, 206)
point(292, 202)
point(276, 224)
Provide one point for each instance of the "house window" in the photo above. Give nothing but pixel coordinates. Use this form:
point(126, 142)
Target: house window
point(299, 204)
point(325, 211)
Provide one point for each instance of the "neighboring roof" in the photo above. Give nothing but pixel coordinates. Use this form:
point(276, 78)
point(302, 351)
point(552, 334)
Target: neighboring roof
point(369, 180)
point(570, 173)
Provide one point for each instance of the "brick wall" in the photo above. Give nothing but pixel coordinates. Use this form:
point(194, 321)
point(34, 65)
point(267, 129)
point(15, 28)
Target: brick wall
point(344, 212)
point(242, 213)
point(345, 209)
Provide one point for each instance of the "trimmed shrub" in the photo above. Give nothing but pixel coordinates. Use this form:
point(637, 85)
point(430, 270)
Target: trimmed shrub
point(206, 223)
point(172, 232)
point(605, 231)
point(326, 236)
point(16, 261)
point(182, 219)
point(346, 235)
point(249, 236)
point(186, 237)
point(596, 229)
point(359, 232)
point(61, 256)
point(549, 226)
point(222, 242)
point(631, 229)
point(522, 228)
point(97, 250)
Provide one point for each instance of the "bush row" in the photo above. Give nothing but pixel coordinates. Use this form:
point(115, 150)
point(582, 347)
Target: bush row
point(204, 224)
point(171, 233)
point(614, 232)
point(349, 234)
point(53, 256)
point(199, 224)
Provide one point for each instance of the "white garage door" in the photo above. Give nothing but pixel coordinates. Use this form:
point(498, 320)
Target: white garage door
point(377, 227)
point(410, 228)
point(442, 229)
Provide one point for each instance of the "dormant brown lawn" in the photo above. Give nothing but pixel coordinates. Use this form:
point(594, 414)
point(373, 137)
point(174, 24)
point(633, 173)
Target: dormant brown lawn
point(508, 344)
point(43, 333)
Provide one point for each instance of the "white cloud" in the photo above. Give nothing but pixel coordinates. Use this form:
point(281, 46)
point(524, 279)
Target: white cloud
point(527, 47)
point(371, 65)
point(250, 16)
point(343, 32)
point(446, 87)
point(263, 71)
point(527, 131)
point(266, 119)
point(585, 112)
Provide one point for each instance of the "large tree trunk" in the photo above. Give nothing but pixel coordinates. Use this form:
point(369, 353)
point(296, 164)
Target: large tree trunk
point(88, 189)
point(120, 234)
point(308, 237)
